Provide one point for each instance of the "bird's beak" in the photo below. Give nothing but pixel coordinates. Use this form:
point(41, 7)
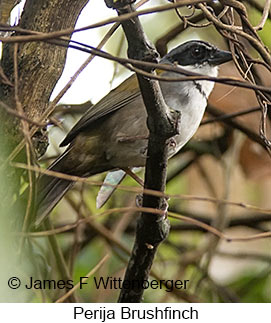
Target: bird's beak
point(220, 57)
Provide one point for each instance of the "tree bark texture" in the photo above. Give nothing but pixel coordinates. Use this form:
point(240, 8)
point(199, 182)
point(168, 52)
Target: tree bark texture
point(40, 64)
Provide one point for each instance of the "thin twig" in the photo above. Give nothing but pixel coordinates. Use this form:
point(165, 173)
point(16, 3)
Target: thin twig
point(236, 30)
point(264, 17)
point(140, 190)
point(227, 116)
point(21, 116)
point(47, 36)
point(25, 130)
point(86, 277)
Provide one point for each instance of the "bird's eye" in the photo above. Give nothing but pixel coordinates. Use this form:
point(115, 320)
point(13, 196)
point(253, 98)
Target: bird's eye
point(198, 52)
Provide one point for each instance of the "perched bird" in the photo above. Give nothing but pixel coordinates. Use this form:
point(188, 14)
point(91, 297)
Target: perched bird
point(113, 133)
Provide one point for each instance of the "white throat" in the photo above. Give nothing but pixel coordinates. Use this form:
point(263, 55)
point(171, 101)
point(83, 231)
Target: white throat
point(190, 98)
point(204, 69)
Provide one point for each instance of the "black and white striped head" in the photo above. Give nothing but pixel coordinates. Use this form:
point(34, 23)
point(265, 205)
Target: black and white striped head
point(197, 53)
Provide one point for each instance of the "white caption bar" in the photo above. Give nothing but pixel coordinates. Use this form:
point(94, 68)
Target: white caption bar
point(203, 313)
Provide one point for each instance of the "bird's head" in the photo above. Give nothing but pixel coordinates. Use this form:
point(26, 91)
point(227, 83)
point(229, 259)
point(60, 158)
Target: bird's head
point(197, 56)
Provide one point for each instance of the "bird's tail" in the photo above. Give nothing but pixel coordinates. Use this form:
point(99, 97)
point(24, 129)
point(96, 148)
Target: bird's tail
point(50, 191)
